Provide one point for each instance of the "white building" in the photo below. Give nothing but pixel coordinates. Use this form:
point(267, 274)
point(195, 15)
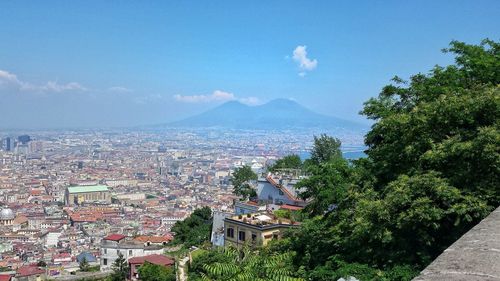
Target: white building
point(52, 238)
point(115, 244)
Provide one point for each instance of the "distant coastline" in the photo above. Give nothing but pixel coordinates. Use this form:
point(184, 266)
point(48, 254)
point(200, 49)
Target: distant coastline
point(350, 154)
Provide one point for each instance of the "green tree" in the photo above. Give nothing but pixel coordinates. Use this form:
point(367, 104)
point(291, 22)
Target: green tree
point(84, 265)
point(245, 264)
point(242, 178)
point(120, 269)
point(195, 229)
point(329, 176)
point(325, 148)
point(196, 267)
point(153, 272)
point(411, 223)
point(446, 121)
point(288, 162)
point(325, 185)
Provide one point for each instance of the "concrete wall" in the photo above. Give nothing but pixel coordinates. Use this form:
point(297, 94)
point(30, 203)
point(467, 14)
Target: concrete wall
point(475, 256)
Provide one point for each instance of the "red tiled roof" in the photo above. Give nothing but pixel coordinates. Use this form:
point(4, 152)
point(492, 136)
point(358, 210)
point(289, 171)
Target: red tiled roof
point(154, 239)
point(280, 187)
point(114, 237)
point(291, 207)
point(154, 259)
point(27, 270)
point(5, 277)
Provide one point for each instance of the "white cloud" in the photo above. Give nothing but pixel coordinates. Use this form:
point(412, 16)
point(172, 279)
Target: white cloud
point(119, 89)
point(250, 100)
point(217, 95)
point(10, 80)
point(304, 63)
point(52, 86)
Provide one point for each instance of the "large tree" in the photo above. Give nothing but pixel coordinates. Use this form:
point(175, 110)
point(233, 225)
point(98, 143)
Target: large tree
point(242, 178)
point(433, 167)
point(325, 148)
point(289, 162)
point(329, 175)
point(446, 121)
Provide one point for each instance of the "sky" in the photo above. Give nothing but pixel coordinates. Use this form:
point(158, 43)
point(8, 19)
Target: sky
point(66, 64)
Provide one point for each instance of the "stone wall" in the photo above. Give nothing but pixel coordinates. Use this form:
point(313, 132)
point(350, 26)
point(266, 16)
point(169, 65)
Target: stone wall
point(475, 256)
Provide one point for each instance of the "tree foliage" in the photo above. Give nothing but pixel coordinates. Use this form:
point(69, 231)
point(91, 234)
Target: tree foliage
point(328, 177)
point(288, 162)
point(153, 272)
point(242, 178)
point(195, 229)
point(446, 121)
point(325, 148)
point(84, 265)
point(432, 172)
point(120, 269)
point(232, 264)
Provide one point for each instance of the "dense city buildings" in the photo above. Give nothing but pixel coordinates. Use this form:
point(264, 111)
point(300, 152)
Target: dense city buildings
point(101, 194)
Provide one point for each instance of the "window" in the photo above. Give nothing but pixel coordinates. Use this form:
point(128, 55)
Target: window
point(129, 252)
point(118, 252)
point(105, 261)
point(241, 235)
point(105, 251)
point(254, 237)
point(230, 232)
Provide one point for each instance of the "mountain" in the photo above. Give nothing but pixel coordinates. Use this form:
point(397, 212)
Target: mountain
point(276, 114)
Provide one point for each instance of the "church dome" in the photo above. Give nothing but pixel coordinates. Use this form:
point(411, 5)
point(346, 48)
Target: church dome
point(7, 214)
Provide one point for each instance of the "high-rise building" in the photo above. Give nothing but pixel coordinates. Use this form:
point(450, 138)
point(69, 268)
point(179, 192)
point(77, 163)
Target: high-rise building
point(7, 146)
point(24, 139)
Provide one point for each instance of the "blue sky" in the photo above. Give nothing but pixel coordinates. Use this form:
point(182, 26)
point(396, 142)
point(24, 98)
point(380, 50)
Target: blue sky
point(118, 63)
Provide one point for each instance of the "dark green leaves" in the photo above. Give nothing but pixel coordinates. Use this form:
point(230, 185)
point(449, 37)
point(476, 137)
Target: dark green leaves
point(242, 178)
point(194, 230)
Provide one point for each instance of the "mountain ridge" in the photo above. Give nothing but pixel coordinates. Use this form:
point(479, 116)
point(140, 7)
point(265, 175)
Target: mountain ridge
point(277, 113)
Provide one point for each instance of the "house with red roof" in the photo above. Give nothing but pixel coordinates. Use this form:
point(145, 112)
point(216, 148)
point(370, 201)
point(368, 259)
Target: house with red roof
point(30, 273)
point(115, 245)
point(115, 237)
point(135, 263)
point(5, 277)
point(154, 240)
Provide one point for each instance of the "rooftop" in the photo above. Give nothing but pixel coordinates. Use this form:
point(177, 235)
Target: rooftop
point(87, 188)
point(114, 237)
point(27, 270)
point(262, 219)
point(154, 259)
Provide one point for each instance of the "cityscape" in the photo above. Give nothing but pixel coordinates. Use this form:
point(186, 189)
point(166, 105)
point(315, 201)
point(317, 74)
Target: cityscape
point(223, 140)
point(64, 192)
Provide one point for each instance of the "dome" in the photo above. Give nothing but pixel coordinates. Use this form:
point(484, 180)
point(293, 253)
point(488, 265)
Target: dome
point(7, 214)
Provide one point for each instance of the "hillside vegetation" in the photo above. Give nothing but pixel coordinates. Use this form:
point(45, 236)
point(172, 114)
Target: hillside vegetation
point(432, 172)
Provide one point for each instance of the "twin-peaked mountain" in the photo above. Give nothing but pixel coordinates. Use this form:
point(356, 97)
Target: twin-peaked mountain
point(276, 114)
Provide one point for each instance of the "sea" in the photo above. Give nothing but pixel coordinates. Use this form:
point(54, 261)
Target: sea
point(351, 154)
